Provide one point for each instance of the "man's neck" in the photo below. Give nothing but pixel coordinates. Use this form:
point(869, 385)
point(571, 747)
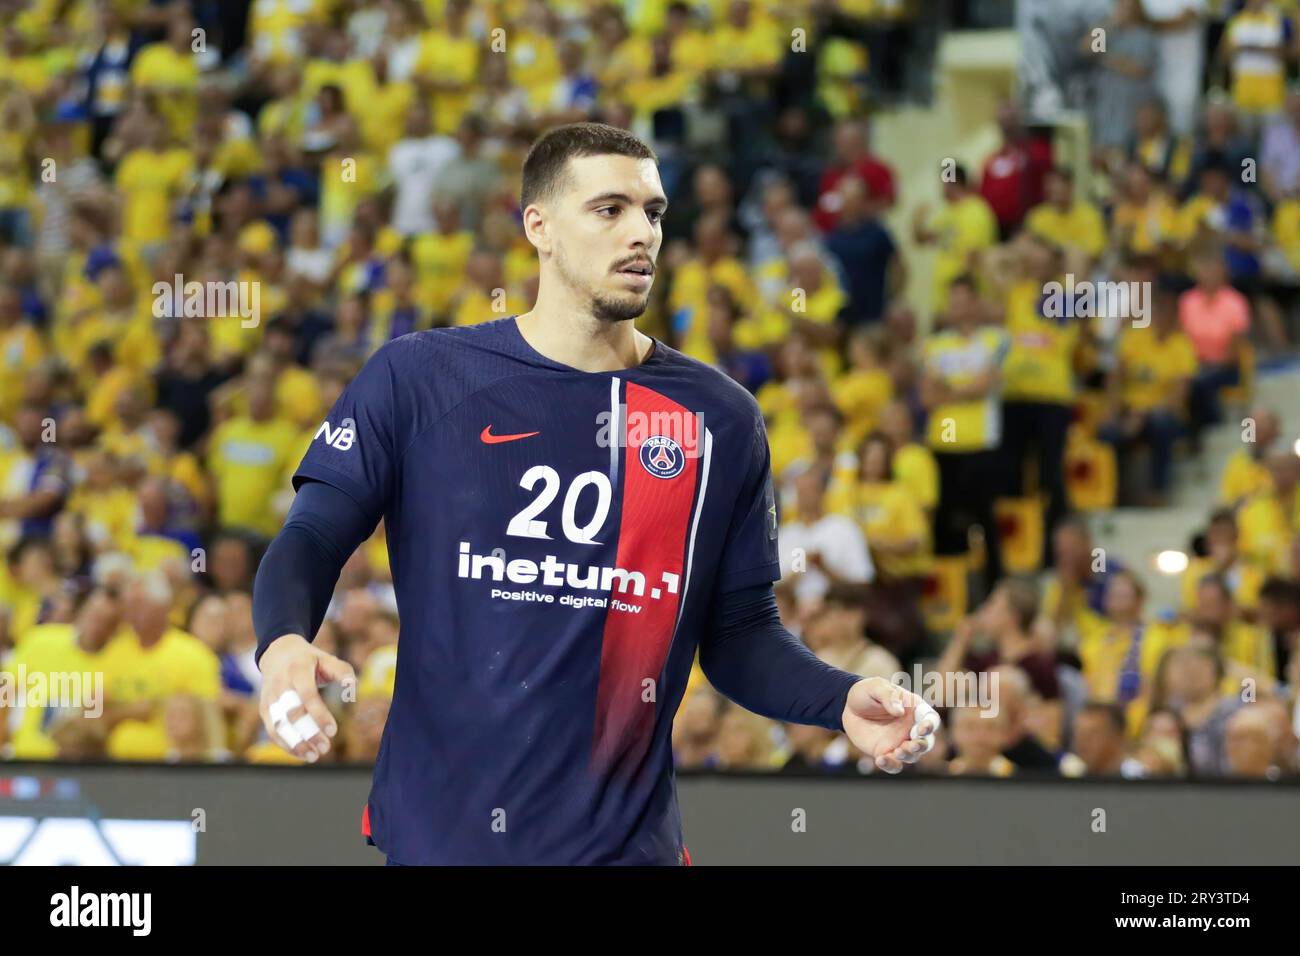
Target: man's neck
point(576, 338)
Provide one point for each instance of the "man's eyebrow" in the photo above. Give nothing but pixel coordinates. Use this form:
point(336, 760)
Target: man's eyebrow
point(626, 199)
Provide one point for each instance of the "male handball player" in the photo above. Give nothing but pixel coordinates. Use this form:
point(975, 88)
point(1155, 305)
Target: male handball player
point(573, 509)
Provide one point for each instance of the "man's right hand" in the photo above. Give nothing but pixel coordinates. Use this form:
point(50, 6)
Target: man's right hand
point(291, 706)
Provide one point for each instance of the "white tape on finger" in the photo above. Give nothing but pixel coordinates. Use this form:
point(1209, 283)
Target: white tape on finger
point(286, 702)
point(926, 721)
point(287, 732)
point(306, 727)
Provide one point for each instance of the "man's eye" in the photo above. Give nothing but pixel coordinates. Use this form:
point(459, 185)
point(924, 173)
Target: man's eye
point(604, 209)
point(656, 215)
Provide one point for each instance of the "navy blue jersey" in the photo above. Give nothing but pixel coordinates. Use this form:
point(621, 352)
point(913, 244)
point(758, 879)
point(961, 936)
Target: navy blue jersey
point(557, 538)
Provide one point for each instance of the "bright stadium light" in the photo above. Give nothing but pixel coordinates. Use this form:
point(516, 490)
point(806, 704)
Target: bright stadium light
point(1171, 562)
point(1296, 446)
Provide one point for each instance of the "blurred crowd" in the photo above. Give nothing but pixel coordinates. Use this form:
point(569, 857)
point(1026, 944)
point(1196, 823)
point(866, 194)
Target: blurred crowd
point(937, 455)
point(1088, 324)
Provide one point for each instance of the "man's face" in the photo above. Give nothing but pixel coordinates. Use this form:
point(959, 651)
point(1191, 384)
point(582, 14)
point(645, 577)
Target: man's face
point(823, 429)
point(1095, 741)
point(1121, 598)
point(963, 305)
point(1059, 190)
point(229, 564)
point(1266, 428)
point(1247, 748)
point(604, 232)
point(1221, 541)
point(99, 619)
point(1071, 549)
point(144, 613)
point(838, 625)
point(1191, 676)
point(1212, 607)
point(1147, 120)
point(808, 493)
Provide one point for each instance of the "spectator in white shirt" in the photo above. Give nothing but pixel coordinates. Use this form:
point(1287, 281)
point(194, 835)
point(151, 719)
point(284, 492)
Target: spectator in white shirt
point(415, 162)
point(1180, 27)
point(819, 549)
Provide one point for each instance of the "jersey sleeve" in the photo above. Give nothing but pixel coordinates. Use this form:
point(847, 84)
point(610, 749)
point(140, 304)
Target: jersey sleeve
point(750, 555)
point(356, 448)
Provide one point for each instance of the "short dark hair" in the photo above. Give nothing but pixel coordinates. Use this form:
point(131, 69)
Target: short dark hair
point(1281, 590)
point(1139, 588)
point(1113, 713)
point(1216, 581)
point(1217, 166)
point(279, 324)
point(875, 437)
point(843, 594)
point(828, 408)
point(545, 165)
point(967, 281)
point(1223, 516)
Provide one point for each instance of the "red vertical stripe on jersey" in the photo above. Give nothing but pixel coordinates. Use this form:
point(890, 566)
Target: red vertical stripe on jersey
point(652, 539)
point(365, 821)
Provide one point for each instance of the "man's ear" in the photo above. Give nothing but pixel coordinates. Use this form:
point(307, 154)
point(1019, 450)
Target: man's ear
point(535, 228)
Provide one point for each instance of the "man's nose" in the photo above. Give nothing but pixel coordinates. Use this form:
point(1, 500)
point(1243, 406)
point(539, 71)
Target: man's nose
point(641, 230)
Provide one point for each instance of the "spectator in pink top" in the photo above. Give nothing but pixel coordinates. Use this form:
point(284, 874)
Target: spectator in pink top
point(1216, 317)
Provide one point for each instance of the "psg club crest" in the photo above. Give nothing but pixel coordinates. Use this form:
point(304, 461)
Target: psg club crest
point(662, 457)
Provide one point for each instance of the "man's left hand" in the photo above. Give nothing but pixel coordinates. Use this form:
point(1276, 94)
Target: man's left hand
point(892, 725)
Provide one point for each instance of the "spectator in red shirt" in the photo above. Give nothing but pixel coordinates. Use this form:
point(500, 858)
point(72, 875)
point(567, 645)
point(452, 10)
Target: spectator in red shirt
point(852, 143)
point(1013, 180)
point(1216, 317)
